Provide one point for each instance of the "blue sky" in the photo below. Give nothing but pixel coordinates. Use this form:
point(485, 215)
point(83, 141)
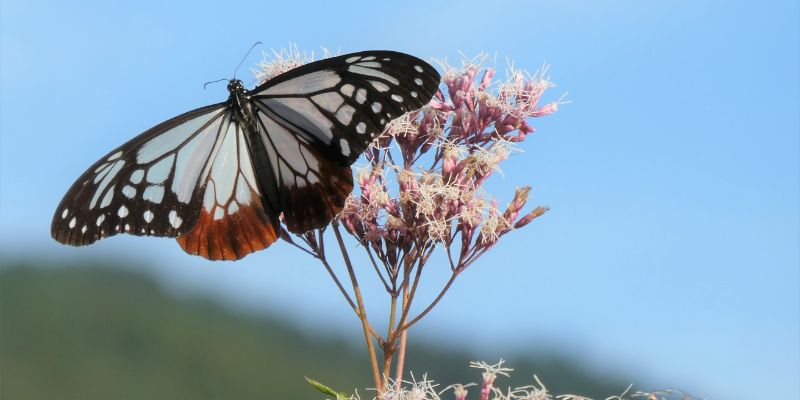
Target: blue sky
point(672, 242)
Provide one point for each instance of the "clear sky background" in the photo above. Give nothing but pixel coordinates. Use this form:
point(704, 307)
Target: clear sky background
point(670, 252)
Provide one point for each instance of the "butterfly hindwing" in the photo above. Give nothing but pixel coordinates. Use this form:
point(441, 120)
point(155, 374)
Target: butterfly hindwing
point(309, 189)
point(232, 221)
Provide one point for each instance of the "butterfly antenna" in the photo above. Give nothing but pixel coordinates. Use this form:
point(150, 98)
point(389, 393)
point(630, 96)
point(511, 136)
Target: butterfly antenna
point(208, 83)
point(245, 58)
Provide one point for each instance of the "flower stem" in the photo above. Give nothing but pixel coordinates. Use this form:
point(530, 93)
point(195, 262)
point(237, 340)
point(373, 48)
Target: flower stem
point(362, 312)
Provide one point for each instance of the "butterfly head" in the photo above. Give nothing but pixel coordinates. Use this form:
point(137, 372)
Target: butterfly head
point(235, 86)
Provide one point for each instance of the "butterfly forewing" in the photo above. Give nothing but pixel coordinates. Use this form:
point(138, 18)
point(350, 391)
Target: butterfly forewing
point(145, 187)
point(340, 104)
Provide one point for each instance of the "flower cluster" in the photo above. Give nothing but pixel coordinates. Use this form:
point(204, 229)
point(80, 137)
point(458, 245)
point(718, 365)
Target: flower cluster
point(422, 189)
point(423, 184)
point(426, 389)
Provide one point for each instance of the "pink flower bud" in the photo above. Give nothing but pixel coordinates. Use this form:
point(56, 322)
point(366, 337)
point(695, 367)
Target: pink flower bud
point(536, 213)
point(460, 392)
point(486, 386)
point(547, 109)
point(486, 80)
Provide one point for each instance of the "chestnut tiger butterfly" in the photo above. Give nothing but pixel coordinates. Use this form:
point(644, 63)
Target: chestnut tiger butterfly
point(219, 177)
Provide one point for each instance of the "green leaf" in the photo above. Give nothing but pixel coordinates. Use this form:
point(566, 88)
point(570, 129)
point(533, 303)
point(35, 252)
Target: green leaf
point(324, 389)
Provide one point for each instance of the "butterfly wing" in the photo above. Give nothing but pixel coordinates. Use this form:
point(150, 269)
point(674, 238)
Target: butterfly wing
point(317, 119)
point(164, 181)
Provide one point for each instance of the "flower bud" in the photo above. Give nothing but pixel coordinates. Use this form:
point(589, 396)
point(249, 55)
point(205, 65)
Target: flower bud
point(536, 213)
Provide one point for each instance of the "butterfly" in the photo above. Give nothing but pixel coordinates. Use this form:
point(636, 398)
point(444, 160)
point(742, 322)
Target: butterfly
point(218, 178)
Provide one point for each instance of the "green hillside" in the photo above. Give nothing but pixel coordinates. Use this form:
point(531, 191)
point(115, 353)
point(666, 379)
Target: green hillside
point(93, 332)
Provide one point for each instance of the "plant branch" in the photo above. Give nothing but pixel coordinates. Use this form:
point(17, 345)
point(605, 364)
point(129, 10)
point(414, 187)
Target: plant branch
point(338, 284)
point(362, 312)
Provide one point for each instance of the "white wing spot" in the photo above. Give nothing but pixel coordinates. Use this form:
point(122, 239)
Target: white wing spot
point(127, 227)
point(72, 223)
point(361, 96)
point(172, 138)
point(345, 147)
point(114, 156)
point(418, 81)
point(345, 114)
point(383, 121)
point(361, 128)
point(174, 219)
point(108, 176)
point(64, 213)
point(219, 213)
point(306, 83)
point(379, 86)
point(397, 98)
point(418, 68)
point(374, 73)
point(84, 229)
point(100, 219)
point(208, 196)
point(107, 198)
point(329, 101)
point(122, 212)
point(137, 176)
point(159, 172)
point(148, 216)
point(154, 194)
point(347, 90)
point(370, 64)
point(129, 191)
point(233, 208)
point(352, 59)
point(369, 58)
point(414, 94)
point(376, 107)
point(97, 170)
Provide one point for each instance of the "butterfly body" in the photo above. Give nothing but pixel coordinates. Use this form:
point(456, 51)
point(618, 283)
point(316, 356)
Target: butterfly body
point(218, 178)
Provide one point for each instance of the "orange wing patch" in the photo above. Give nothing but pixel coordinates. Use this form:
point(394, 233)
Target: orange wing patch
point(231, 237)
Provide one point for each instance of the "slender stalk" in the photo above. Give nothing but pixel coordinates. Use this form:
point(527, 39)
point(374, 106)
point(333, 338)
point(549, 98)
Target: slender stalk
point(388, 347)
point(362, 312)
point(401, 359)
point(375, 267)
point(401, 352)
point(338, 284)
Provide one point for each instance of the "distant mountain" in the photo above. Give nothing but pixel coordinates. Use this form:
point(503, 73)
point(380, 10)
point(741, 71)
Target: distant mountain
point(96, 332)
